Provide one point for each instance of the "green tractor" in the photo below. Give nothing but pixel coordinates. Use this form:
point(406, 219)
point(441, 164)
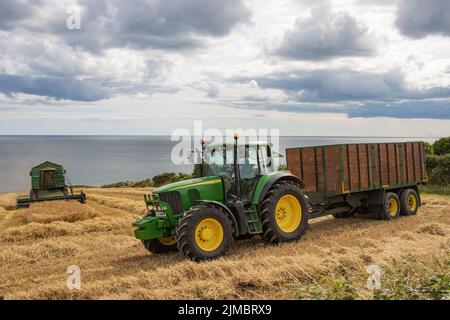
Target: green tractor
point(238, 193)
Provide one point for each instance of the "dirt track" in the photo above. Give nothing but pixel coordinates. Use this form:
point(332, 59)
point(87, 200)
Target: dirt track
point(39, 243)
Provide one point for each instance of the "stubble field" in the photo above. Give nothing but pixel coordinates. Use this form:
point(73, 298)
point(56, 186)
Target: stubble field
point(37, 245)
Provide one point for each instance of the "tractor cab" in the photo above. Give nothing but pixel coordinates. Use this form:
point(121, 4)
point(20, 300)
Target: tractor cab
point(240, 172)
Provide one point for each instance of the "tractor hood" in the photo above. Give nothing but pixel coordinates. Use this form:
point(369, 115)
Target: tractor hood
point(188, 184)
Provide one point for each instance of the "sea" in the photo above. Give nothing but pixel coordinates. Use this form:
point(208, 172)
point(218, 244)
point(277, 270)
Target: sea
point(99, 160)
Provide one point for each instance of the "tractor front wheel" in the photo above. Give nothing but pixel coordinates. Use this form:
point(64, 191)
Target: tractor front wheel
point(284, 213)
point(161, 245)
point(204, 233)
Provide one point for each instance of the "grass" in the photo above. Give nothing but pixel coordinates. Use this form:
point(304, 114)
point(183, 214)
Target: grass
point(413, 280)
point(39, 243)
point(435, 189)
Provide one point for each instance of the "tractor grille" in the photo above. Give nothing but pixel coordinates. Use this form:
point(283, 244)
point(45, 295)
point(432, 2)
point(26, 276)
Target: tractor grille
point(173, 198)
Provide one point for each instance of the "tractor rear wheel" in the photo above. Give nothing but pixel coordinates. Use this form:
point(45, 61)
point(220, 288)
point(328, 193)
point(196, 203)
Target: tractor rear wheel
point(284, 213)
point(391, 207)
point(161, 245)
point(204, 233)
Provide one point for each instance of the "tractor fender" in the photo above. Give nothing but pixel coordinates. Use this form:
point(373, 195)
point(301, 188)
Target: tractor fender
point(227, 211)
point(282, 176)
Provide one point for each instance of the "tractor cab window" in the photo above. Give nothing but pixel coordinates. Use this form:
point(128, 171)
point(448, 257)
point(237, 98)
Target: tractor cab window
point(265, 159)
point(248, 161)
point(219, 161)
point(252, 160)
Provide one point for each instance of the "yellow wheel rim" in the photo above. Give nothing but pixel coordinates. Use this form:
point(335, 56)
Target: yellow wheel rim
point(412, 202)
point(209, 234)
point(392, 207)
point(288, 213)
point(168, 241)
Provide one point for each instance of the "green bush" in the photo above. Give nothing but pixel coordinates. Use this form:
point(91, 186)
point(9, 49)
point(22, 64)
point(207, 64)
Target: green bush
point(156, 181)
point(169, 177)
point(440, 176)
point(130, 184)
point(432, 161)
point(428, 148)
point(438, 169)
point(442, 146)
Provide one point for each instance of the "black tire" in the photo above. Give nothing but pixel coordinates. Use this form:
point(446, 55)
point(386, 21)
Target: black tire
point(159, 246)
point(409, 202)
point(391, 207)
point(271, 231)
point(189, 243)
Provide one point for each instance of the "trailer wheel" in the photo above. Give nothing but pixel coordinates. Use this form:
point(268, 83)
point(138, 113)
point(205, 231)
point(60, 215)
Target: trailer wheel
point(409, 202)
point(161, 245)
point(204, 233)
point(391, 207)
point(284, 213)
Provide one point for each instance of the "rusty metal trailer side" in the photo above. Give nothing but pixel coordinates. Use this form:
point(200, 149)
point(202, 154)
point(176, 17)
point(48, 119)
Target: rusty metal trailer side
point(347, 169)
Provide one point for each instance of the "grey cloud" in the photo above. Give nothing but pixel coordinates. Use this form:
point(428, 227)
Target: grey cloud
point(38, 64)
point(66, 88)
point(57, 88)
point(358, 94)
point(12, 12)
point(344, 85)
point(423, 109)
point(420, 18)
point(138, 24)
point(326, 35)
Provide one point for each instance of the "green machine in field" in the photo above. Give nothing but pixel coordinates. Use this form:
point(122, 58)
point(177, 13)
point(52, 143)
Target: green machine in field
point(49, 182)
point(239, 193)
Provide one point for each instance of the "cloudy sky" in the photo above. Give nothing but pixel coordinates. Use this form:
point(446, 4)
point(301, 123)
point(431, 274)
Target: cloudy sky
point(306, 67)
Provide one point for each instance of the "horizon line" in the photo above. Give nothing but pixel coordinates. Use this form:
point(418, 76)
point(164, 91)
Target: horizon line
point(168, 135)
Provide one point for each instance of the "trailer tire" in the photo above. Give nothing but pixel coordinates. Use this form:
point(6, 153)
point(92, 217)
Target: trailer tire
point(391, 207)
point(409, 202)
point(161, 245)
point(284, 213)
point(205, 232)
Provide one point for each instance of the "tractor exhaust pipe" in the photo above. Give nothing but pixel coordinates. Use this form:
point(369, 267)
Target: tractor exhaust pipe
point(237, 178)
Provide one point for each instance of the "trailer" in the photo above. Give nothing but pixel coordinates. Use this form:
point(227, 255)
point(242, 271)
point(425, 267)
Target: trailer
point(345, 179)
point(49, 182)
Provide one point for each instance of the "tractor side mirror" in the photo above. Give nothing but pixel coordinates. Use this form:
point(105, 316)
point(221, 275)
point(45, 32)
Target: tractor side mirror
point(276, 154)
